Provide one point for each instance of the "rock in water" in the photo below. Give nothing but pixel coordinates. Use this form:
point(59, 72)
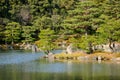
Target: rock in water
point(69, 49)
point(34, 48)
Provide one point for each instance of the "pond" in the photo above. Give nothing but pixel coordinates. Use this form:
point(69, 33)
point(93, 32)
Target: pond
point(20, 65)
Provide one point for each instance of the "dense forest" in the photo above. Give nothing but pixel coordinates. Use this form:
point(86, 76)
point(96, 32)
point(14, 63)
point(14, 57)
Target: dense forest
point(49, 23)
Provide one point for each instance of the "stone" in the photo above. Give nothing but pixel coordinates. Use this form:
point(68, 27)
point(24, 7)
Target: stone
point(69, 49)
point(106, 48)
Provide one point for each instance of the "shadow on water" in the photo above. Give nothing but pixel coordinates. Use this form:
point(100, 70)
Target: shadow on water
point(19, 65)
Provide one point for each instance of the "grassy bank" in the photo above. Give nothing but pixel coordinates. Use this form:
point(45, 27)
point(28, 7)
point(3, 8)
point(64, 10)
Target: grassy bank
point(84, 56)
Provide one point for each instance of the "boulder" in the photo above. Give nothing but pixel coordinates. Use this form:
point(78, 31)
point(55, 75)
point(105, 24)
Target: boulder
point(115, 47)
point(69, 49)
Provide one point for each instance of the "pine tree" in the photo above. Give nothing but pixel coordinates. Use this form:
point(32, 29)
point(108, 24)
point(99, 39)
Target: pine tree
point(47, 38)
point(83, 20)
point(12, 32)
point(27, 33)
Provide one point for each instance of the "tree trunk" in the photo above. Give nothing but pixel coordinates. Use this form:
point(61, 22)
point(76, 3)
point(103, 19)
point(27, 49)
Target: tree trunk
point(90, 47)
point(110, 45)
point(46, 52)
point(86, 35)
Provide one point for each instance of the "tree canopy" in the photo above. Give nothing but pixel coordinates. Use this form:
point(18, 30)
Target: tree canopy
point(82, 22)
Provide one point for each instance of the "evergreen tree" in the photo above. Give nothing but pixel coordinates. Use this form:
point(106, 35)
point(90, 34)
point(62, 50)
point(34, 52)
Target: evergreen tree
point(47, 38)
point(109, 32)
point(27, 33)
point(12, 32)
point(83, 20)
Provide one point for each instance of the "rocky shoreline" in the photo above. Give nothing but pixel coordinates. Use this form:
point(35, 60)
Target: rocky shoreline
point(100, 56)
point(20, 46)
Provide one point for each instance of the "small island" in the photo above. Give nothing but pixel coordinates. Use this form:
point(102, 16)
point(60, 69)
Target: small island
point(82, 55)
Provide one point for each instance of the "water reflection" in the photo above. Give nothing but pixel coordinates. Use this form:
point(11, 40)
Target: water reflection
point(16, 57)
point(30, 67)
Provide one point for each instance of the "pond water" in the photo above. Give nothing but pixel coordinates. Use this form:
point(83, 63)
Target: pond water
point(20, 65)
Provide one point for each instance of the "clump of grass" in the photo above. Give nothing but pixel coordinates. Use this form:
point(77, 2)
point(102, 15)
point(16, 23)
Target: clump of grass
point(94, 56)
point(74, 55)
point(103, 55)
point(117, 54)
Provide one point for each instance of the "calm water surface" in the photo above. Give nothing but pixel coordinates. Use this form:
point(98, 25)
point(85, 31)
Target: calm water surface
point(20, 65)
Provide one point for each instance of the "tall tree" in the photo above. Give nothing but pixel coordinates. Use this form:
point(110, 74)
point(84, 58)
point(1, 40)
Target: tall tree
point(47, 39)
point(109, 32)
point(83, 19)
point(28, 33)
point(12, 32)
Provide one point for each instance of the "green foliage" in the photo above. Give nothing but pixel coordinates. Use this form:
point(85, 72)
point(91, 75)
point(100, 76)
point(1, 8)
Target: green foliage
point(82, 17)
point(81, 22)
point(43, 23)
point(12, 32)
point(47, 38)
point(28, 32)
point(110, 30)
